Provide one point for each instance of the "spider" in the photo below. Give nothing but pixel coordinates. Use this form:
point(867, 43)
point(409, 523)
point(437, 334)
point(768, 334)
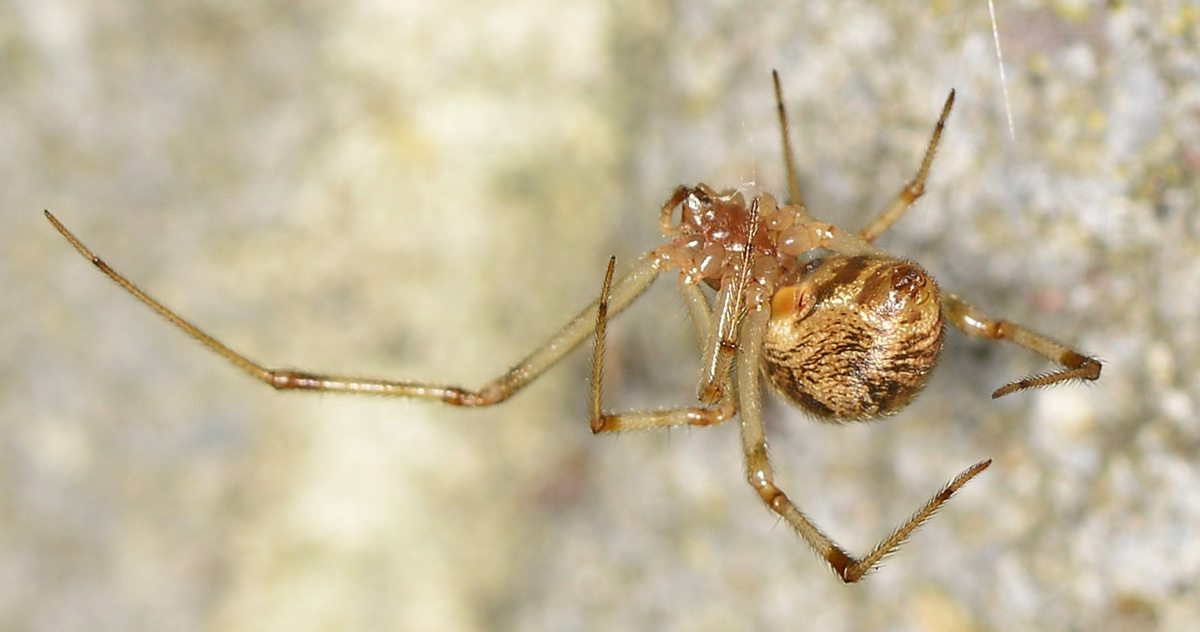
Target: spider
point(840, 328)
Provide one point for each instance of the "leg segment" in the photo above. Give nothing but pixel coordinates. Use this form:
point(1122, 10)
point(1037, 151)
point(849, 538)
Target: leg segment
point(824, 235)
point(724, 408)
point(721, 347)
point(1076, 366)
point(788, 159)
point(697, 305)
point(913, 189)
point(762, 477)
point(499, 389)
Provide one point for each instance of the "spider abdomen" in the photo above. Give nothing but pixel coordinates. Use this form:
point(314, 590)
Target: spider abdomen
point(854, 337)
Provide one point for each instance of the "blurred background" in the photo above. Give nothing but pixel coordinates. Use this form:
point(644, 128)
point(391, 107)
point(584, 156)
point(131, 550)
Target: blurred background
point(428, 190)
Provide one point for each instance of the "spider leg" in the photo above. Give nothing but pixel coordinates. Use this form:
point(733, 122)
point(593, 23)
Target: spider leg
point(971, 321)
point(697, 305)
point(724, 408)
point(827, 235)
point(497, 390)
point(762, 477)
point(788, 158)
point(720, 348)
point(915, 188)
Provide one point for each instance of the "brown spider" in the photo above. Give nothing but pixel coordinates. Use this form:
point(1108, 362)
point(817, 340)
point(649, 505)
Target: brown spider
point(841, 329)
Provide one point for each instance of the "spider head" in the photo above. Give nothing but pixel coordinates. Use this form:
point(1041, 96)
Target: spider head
point(709, 239)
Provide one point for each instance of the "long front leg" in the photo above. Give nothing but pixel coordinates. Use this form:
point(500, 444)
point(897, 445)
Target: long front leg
point(497, 390)
point(762, 477)
point(1076, 366)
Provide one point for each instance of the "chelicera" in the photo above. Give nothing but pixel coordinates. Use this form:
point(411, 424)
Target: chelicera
point(839, 327)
